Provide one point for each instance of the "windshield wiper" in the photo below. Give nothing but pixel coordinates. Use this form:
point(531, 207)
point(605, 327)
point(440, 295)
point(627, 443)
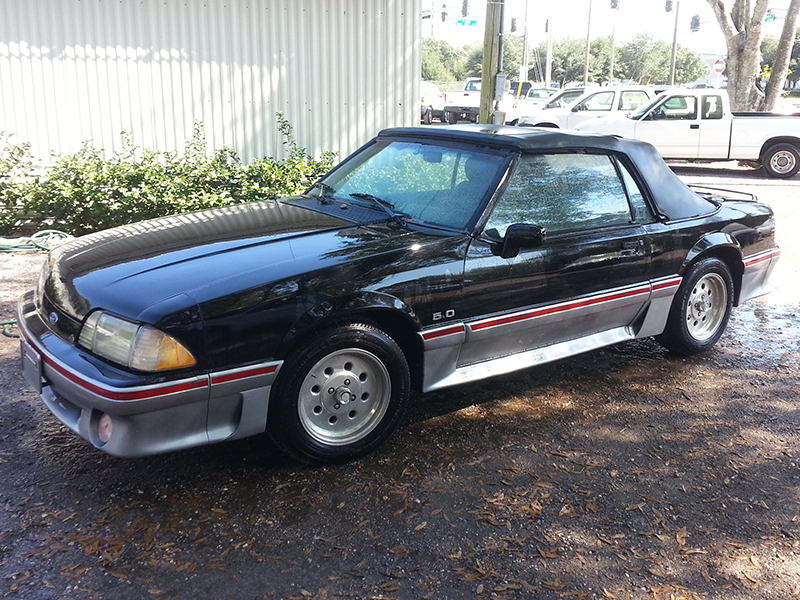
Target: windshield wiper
point(327, 192)
point(384, 205)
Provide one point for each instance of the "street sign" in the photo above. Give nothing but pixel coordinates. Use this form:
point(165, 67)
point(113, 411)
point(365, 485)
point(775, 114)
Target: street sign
point(466, 22)
point(719, 66)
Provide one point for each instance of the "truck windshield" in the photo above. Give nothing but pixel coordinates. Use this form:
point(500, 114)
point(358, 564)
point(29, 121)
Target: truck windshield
point(645, 108)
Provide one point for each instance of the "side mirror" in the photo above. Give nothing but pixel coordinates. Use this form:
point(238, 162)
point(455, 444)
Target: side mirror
point(521, 235)
point(577, 108)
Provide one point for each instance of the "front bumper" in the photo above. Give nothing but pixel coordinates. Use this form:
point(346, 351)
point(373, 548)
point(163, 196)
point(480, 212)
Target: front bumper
point(149, 415)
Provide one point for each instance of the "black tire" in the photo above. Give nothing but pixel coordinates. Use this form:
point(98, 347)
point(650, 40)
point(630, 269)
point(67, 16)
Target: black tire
point(452, 117)
point(427, 118)
point(340, 396)
point(781, 161)
point(700, 310)
point(445, 118)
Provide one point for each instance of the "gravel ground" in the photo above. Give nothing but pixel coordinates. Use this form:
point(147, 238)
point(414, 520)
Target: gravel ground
point(623, 473)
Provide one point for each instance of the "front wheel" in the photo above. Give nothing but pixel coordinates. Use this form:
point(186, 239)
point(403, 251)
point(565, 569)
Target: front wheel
point(700, 310)
point(340, 397)
point(781, 161)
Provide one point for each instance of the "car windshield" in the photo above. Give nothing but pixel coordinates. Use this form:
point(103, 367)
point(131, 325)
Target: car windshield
point(561, 99)
point(644, 108)
point(422, 183)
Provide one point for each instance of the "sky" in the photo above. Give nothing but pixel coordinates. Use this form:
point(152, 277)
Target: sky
point(569, 19)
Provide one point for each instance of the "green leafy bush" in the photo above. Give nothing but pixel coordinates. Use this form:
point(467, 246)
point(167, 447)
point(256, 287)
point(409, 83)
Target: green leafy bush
point(16, 165)
point(83, 192)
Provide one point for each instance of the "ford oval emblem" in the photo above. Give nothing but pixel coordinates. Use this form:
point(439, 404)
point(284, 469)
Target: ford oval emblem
point(53, 318)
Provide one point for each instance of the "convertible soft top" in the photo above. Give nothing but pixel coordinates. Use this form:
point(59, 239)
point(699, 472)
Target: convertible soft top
point(672, 198)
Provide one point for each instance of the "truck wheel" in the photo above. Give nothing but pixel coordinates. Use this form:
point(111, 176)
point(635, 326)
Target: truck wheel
point(701, 308)
point(781, 161)
point(340, 396)
point(445, 118)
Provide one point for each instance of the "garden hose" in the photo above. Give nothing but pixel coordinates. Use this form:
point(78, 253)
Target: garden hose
point(7, 327)
point(41, 240)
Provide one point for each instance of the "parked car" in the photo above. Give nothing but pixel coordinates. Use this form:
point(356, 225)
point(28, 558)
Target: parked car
point(431, 257)
point(698, 124)
point(592, 103)
point(431, 103)
point(533, 99)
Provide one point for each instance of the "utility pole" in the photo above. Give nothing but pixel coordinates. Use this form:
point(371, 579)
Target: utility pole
point(613, 42)
point(586, 61)
point(492, 68)
point(523, 74)
point(674, 45)
point(548, 69)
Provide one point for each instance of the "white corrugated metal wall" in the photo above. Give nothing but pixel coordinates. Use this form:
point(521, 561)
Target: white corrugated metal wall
point(339, 70)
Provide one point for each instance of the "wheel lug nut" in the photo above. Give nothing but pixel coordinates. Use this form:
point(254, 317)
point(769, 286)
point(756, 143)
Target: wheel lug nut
point(347, 382)
point(331, 391)
point(337, 406)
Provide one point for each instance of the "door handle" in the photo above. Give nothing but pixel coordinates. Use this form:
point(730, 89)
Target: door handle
point(694, 126)
point(631, 248)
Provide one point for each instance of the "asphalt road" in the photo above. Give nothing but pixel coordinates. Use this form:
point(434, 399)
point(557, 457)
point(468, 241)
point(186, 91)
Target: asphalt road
point(622, 473)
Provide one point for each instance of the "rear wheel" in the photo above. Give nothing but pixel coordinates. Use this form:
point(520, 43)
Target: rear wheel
point(701, 309)
point(340, 397)
point(781, 161)
point(427, 118)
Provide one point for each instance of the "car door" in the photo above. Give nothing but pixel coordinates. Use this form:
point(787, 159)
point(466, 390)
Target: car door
point(715, 129)
point(672, 126)
point(590, 276)
point(599, 104)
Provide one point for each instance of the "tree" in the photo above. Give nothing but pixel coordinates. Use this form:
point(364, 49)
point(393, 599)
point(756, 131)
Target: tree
point(741, 26)
point(769, 52)
point(441, 62)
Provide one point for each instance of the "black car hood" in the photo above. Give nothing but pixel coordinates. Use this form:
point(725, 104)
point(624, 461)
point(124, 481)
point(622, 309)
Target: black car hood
point(135, 267)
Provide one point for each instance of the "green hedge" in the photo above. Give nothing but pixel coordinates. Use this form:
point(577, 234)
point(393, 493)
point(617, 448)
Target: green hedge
point(84, 192)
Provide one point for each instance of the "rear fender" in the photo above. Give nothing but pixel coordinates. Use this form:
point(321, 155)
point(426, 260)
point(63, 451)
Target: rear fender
point(720, 245)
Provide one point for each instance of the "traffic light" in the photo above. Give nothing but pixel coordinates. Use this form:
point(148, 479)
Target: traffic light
point(444, 12)
point(465, 8)
point(615, 4)
point(513, 24)
point(695, 24)
point(668, 6)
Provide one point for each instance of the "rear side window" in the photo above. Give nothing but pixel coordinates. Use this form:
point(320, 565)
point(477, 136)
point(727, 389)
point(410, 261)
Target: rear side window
point(562, 192)
point(712, 107)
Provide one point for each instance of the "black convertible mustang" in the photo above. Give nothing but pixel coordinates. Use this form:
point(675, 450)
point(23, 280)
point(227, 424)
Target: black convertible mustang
point(431, 257)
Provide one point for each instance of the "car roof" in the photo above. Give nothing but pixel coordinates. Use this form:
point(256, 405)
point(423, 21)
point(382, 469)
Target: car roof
point(673, 198)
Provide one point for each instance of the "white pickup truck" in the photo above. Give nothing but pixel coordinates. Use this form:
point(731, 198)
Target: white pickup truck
point(699, 125)
point(464, 103)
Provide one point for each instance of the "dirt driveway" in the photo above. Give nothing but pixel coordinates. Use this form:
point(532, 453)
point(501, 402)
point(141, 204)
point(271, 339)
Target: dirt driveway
point(623, 473)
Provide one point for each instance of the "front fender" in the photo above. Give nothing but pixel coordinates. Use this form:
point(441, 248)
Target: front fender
point(349, 308)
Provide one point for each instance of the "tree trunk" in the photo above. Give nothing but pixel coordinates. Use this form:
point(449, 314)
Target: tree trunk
point(780, 68)
point(742, 30)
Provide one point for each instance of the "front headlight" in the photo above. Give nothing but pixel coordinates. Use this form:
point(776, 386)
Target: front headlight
point(138, 347)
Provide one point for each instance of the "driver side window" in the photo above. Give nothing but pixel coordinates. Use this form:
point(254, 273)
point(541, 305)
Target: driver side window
point(562, 192)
